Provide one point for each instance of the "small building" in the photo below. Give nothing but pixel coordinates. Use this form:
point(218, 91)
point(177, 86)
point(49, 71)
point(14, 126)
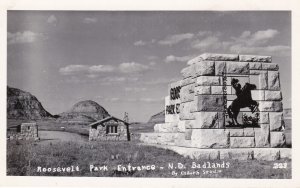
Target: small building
point(24, 131)
point(109, 128)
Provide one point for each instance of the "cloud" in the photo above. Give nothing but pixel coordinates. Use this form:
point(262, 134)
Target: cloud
point(255, 39)
point(52, 19)
point(114, 99)
point(93, 71)
point(144, 43)
point(161, 81)
point(152, 57)
point(110, 80)
point(73, 69)
point(258, 42)
point(172, 58)
point(90, 20)
point(140, 43)
point(174, 39)
point(135, 89)
point(133, 67)
point(271, 50)
point(208, 42)
point(143, 99)
point(151, 100)
point(152, 63)
point(92, 75)
point(23, 37)
point(101, 68)
point(263, 35)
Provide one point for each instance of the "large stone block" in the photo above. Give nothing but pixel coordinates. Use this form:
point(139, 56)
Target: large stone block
point(240, 154)
point(189, 124)
point(206, 120)
point(208, 80)
point(187, 93)
point(181, 141)
point(149, 138)
point(270, 66)
point(164, 138)
point(204, 68)
point(188, 71)
point(185, 124)
point(264, 118)
point(258, 95)
point(249, 131)
point(276, 121)
point(277, 139)
point(202, 154)
point(181, 126)
point(188, 81)
point(267, 154)
point(242, 142)
point(273, 95)
point(270, 106)
point(236, 132)
point(259, 78)
point(217, 90)
point(188, 134)
point(185, 111)
point(200, 90)
point(237, 68)
point(262, 136)
point(285, 153)
point(165, 127)
point(255, 66)
point(221, 119)
point(209, 103)
point(220, 67)
point(193, 105)
point(210, 138)
point(170, 118)
point(255, 58)
point(273, 80)
point(214, 57)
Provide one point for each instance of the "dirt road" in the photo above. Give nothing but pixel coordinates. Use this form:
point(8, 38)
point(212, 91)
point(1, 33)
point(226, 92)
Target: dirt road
point(56, 136)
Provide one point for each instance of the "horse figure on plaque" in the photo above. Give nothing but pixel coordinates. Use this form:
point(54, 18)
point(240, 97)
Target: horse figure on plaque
point(243, 100)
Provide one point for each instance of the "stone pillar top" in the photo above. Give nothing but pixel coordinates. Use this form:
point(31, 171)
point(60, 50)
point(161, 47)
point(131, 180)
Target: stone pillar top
point(230, 57)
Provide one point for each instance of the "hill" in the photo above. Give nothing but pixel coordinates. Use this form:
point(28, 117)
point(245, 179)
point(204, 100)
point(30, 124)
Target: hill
point(85, 112)
point(157, 118)
point(24, 105)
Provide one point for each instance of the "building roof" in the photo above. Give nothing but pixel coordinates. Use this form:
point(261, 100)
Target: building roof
point(107, 119)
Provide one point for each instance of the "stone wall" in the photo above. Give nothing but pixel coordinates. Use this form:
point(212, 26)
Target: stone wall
point(99, 133)
point(206, 93)
point(25, 131)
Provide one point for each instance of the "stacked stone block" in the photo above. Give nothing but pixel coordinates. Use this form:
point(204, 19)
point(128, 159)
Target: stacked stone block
point(201, 122)
point(28, 131)
point(209, 126)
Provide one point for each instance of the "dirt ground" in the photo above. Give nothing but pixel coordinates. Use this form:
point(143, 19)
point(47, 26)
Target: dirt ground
point(57, 136)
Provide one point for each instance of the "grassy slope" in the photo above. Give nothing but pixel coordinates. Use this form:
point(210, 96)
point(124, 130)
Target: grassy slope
point(24, 158)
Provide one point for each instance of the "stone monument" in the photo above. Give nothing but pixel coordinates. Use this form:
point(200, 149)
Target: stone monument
point(225, 104)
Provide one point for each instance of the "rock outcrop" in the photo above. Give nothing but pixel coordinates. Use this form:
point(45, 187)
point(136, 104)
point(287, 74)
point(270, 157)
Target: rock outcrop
point(24, 105)
point(157, 118)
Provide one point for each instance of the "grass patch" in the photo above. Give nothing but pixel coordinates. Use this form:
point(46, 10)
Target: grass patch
point(23, 158)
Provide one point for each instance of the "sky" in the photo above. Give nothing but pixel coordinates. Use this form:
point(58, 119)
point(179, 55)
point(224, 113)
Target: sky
point(125, 60)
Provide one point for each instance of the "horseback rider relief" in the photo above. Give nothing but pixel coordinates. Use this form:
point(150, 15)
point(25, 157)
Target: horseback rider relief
point(243, 100)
